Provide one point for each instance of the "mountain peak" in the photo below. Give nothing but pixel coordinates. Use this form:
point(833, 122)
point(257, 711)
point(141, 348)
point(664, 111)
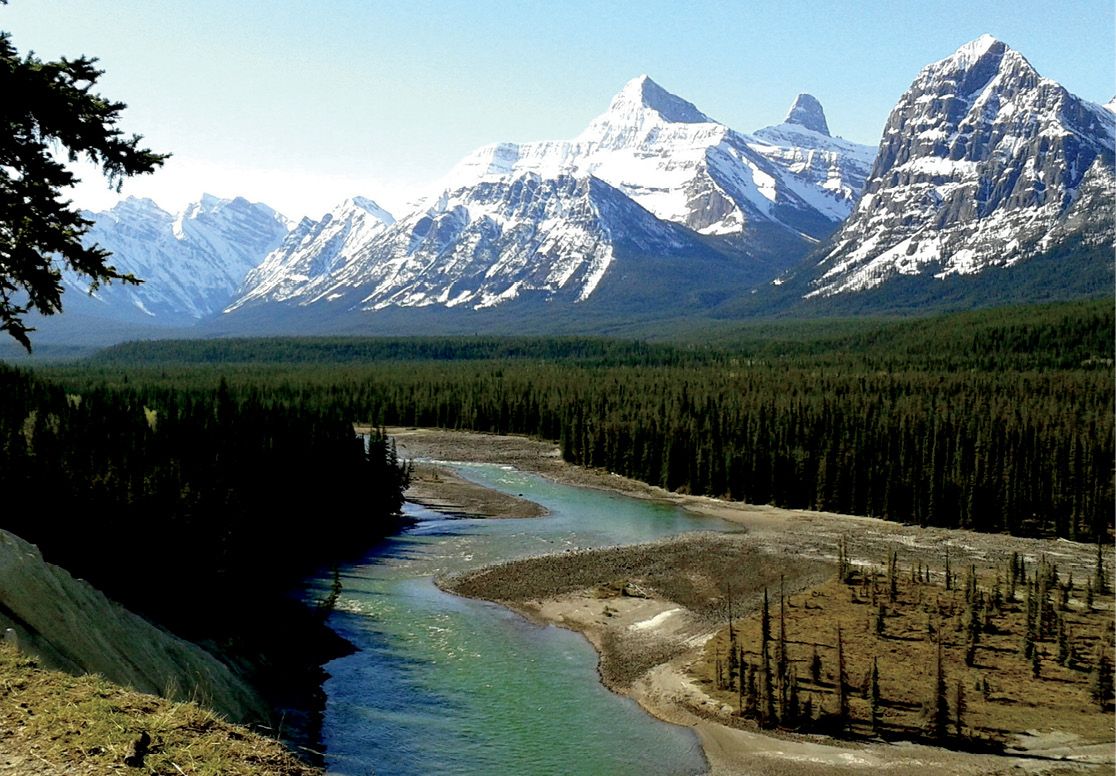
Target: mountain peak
point(641, 93)
point(370, 207)
point(807, 112)
point(983, 50)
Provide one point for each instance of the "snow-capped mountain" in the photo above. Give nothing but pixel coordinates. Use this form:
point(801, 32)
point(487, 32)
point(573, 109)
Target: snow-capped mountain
point(803, 147)
point(530, 238)
point(983, 163)
point(314, 250)
point(191, 263)
point(684, 167)
point(651, 175)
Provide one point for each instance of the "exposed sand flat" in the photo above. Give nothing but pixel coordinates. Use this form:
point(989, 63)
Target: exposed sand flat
point(794, 531)
point(648, 641)
point(437, 487)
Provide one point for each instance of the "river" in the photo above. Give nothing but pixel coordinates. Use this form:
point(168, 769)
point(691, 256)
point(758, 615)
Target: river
point(446, 685)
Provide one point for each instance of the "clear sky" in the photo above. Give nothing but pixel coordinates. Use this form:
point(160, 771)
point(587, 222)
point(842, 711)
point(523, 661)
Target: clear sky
point(302, 103)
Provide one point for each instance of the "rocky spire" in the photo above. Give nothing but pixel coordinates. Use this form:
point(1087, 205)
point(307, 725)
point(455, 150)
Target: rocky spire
point(807, 112)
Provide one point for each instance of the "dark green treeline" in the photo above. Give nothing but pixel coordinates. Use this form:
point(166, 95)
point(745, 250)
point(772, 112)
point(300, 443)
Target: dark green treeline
point(185, 503)
point(1025, 453)
point(997, 420)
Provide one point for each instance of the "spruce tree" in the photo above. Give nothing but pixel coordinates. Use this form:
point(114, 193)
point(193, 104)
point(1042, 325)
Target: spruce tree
point(1063, 642)
point(1100, 576)
point(769, 719)
point(939, 705)
point(874, 696)
point(1100, 679)
point(842, 684)
point(50, 113)
point(959, 707)
point(751, 697)
point(815, 666)
point(893, 577)
point(791, 712)
point(781, 660)
point(765, 620)
point(733, 667)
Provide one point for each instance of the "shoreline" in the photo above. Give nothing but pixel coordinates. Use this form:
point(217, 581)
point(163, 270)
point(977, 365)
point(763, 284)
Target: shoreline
point(790, 531)
point(648, 638)
point(673, 636)
point(439, 488)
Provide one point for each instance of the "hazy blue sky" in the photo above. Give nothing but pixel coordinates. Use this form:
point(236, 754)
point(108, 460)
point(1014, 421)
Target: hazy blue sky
point(300, 104)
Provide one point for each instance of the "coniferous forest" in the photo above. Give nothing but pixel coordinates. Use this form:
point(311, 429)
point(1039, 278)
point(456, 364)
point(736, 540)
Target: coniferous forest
point(167, 497)
point(201, 482)
point(996, 421)
point(203, 509)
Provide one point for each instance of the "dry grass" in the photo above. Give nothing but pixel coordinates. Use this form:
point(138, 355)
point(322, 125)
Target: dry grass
point(52, 722)
point(1016, 701)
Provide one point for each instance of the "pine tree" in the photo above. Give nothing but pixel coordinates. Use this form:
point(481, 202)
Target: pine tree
point(1100, 679)
point(874, 696)
point(1100, 577)
point(769, 719)
point(959, 707)
point(881, 624)
point(765, 620)
point(792, 712)
point(1036, 662)
point(842, 684)
point(751, 698)
point(1063, 642)
point(733, 667)
point(815, 666)
point(939, 705)
point(740, 685)
point(781, 660)
point(893, 577)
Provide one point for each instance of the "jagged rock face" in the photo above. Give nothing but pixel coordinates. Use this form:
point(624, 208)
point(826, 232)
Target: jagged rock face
point(983, 163)
point(191, 264)
point(682, 166)
point(314, 250)
point(807, 112)
point(497, 241)
point(515, 220)
point(818, 162)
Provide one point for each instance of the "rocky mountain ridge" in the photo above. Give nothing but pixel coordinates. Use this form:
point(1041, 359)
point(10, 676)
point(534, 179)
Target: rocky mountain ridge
point(191, 263)
point(983, 164)
point(540, 220)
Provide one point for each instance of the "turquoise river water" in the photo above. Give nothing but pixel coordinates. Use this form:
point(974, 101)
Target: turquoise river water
point(447, 685)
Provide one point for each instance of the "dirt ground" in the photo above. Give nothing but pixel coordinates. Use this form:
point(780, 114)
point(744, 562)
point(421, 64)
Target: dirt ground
point(788, 531)
point(651, 629)
point(437, 487)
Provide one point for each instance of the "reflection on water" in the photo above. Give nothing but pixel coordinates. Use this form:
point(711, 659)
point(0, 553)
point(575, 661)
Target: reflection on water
point(446, 685)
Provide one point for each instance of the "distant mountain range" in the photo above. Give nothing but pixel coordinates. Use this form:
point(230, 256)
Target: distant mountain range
point(657, 210)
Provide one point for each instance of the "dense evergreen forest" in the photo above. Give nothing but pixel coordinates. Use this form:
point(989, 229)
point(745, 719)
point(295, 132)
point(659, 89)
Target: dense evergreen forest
point(997, 420)
point(198, 492)
point(203, 508)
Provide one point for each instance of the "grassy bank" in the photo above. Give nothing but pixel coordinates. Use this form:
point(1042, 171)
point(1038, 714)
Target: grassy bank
point(54, 723)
